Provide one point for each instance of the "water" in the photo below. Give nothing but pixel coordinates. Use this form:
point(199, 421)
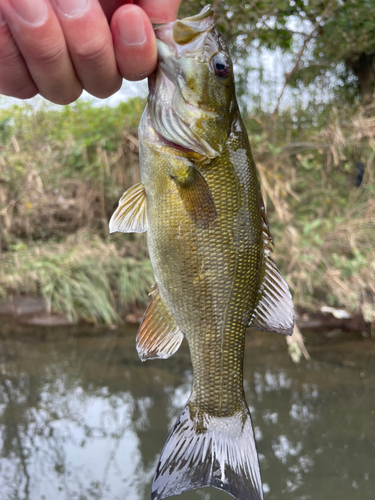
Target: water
point(82, 418)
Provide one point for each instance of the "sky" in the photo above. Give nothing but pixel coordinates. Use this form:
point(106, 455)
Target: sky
point(127, 91)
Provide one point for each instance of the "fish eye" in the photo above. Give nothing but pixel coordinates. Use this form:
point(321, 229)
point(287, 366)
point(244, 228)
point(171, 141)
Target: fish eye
point(221, 65)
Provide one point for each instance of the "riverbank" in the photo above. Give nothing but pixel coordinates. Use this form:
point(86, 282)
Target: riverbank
point(58, 191)
point(34, 310)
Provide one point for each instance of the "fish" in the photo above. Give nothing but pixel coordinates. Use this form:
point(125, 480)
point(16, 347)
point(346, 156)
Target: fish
point(210, 246)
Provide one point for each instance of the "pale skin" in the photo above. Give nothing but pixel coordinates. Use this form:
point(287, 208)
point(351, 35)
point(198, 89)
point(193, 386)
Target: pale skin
point(58, 48)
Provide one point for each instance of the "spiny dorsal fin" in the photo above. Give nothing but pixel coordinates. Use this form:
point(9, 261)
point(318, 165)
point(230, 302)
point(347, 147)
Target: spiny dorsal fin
point(196, 196)
point(267, 237)
point(275, 310)
point(130, 216)
point(158, 336)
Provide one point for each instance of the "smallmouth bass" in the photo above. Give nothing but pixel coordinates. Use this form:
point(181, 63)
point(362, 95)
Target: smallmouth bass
point(210, 247)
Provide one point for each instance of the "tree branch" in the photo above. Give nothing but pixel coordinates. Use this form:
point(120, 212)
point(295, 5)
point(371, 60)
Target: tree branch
point(289, 75)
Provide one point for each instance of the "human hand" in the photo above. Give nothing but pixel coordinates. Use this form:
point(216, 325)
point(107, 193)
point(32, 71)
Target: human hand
point(57, 48)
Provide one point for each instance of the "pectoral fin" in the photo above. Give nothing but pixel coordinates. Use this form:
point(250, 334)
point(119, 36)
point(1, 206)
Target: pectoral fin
point(130, 216)
point(158, 336)
point(274, 311)
point(196, 195)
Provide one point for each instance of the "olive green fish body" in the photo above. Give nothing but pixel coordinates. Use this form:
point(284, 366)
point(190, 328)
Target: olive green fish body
point(209, 276)
point(210, 248)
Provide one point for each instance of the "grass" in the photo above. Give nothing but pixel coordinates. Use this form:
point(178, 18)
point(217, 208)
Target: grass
point(323, 224)
point(57, 192)
point(84, 277)
point(53, 184)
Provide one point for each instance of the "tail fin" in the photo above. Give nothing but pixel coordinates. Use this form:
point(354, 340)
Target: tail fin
point(209, 451)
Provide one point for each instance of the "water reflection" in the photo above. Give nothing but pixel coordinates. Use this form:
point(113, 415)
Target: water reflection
point(82, 418)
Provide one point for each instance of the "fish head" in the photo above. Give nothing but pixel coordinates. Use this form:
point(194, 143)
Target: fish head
point(192, 97)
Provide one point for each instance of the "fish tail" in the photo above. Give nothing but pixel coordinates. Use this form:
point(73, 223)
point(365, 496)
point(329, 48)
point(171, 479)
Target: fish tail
point(203, 450)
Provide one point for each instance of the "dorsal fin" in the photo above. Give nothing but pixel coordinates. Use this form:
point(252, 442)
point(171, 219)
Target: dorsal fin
point(274, 311)
point(158, 336)
point(130, 215)
point(267, 237)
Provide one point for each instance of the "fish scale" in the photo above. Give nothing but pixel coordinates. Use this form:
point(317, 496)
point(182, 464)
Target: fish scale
point(216, 250)
point(210, 248)
point(229, 296)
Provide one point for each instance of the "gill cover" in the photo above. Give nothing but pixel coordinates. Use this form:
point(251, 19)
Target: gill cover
point(191, 102)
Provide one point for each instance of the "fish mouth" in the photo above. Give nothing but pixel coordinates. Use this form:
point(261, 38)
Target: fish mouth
point(173, 37)
point(207, 11)
point(199, 23)
point(203, 15)
point(174, 109)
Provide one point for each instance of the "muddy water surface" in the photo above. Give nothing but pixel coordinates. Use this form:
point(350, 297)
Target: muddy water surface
point(82, 418)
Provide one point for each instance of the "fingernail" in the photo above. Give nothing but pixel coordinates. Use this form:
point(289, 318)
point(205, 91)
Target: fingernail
point(34, 12)
point(131, 27)
point(72, 8)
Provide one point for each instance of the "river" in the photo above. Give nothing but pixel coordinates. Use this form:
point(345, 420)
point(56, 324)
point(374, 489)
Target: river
point(81, 418)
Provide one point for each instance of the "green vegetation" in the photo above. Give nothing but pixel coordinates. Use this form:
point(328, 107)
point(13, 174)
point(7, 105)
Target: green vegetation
point(329, 41)
point(83, 277)
point(63, 171)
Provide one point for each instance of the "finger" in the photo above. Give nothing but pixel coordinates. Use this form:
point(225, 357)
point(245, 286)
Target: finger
point(15, 79)
point(134, 41)
point(110, 6)
point(160, 11)
point(90, 45)
point(40, 39)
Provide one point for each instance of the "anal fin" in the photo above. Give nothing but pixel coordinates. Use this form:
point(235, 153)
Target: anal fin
point(130, 215)
point(158, 336)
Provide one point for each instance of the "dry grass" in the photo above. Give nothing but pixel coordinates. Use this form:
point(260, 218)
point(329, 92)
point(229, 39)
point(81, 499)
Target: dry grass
point(33, 207)
point(69, 183)
point(53, 184)
point(324, 226)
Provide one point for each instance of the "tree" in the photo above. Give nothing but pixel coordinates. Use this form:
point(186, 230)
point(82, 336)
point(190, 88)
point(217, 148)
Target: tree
point(325, 36)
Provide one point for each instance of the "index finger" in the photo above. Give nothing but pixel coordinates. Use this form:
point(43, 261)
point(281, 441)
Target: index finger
point(160, 11)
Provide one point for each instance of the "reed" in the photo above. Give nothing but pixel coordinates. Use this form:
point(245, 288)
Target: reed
point(58, 190)
point(83, 277)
